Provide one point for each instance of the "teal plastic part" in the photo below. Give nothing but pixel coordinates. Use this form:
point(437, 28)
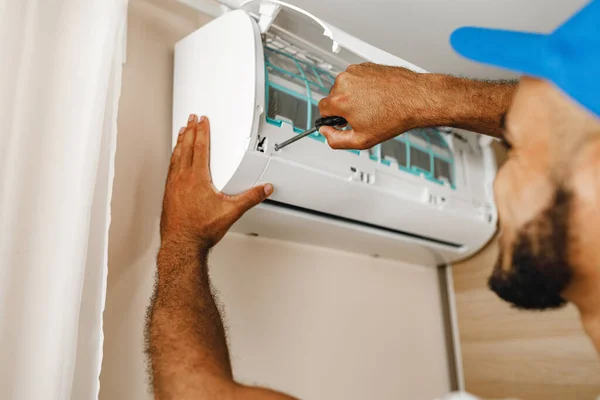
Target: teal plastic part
point(317, 72)
point(430, 150)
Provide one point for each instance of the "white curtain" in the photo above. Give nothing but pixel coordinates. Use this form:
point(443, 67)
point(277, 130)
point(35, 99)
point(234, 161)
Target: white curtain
point(60, 71)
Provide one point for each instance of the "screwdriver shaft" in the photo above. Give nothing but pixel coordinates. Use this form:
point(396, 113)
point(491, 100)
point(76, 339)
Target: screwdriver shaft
point(293, 139)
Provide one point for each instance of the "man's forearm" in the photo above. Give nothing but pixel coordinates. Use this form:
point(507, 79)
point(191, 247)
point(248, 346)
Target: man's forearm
point(470, 104)
point(381, 102)
point(186, 335)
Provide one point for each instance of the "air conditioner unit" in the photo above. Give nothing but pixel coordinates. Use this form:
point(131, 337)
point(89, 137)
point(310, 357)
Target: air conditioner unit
point(258, 73)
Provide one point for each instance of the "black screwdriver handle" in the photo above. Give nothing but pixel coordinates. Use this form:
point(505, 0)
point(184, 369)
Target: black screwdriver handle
point(325, 121)
point(330, 121)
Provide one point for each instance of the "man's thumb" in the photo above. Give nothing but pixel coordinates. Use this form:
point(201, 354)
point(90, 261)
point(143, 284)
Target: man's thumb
point(254, 196)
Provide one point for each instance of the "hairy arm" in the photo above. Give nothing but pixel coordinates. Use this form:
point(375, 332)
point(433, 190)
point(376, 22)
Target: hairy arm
point(185, 337)
point(187, 344)
point(381, 102)
point(474, 105)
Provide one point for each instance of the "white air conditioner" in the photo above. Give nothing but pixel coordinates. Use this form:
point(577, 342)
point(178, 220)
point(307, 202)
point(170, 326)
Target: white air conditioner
point(258, 73)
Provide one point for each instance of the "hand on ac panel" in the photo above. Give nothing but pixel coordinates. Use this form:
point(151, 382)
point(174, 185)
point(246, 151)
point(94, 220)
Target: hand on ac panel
point(193, 210)
point(185, 339)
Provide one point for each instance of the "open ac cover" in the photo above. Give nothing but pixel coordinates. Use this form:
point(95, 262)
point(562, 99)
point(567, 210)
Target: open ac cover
point(258, 73)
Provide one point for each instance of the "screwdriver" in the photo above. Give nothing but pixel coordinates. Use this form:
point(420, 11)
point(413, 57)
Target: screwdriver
point(324, 121)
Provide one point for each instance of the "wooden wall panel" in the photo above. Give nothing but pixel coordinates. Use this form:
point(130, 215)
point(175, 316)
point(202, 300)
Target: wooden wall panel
point(508, 353)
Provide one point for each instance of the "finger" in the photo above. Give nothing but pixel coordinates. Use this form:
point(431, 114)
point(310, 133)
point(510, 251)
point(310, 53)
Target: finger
point(332, 106)
point(187, 144)
point(338, 139)
point(192, 120)
point(178, 143)
point(180, 136)
point(325, 107)
point(252, 197)
point(175, 156)
point(334, 89)
point(352, 68)
point(201, 158)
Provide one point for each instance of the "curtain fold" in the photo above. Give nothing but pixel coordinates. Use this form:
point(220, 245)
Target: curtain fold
point(59, 88)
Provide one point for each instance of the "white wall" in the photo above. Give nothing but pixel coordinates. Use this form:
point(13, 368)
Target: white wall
point(315, 323)
point(322, 324)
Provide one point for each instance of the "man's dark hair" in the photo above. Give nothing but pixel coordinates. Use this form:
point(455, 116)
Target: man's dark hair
point(540, 269)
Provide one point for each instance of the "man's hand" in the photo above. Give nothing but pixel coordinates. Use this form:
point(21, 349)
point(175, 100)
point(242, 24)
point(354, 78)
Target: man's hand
point(185, 336)
point(193, 210)
point(380, 102)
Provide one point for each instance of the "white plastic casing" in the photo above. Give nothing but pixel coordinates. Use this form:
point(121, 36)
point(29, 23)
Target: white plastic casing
point(320, 197)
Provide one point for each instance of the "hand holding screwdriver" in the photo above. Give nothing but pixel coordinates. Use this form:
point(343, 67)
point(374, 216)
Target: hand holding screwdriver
point(324, 121)
point(381, 102)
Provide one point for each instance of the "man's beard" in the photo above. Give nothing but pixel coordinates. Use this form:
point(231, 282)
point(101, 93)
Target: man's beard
point(540, 270)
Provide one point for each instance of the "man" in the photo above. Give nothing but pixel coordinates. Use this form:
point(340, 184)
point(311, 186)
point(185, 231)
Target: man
point(547, 193)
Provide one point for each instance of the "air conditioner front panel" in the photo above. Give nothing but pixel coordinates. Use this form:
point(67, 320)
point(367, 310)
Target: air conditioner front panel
point(219, 72)
point(311, 189)
point(422, 197)
point(289, 224)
